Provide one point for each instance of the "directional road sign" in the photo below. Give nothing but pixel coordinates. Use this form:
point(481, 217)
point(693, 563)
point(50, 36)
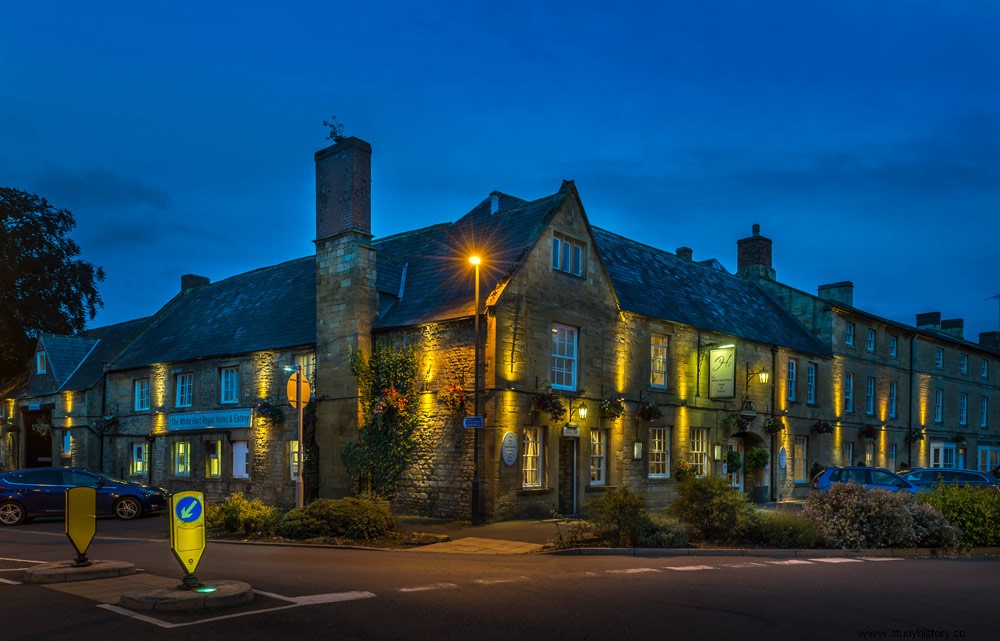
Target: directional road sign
point(81, 517)
point(187, 528)
point(298, 383)
point(473, 422)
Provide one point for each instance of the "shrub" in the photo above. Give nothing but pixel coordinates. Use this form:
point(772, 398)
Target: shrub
point(238, 515)
point(718, 511)
point(975, 511)
point(850, 516)
point(618, 516)
point(661, 531)
point(930, 528)
point(786, 530)
point(349, 517)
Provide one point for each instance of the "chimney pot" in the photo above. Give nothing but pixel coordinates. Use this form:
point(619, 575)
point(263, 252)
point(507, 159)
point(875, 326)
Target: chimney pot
point(344, 188)
point(990, 339)
point(842, 292)
point(954, 327)
point(190, 281)
point(929, 320)
point(685, 252)
point(753, 256)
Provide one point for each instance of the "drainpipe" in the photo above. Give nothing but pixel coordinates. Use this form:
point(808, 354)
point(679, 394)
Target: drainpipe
point(104, 412)
point(774, 437)
point(909, 413)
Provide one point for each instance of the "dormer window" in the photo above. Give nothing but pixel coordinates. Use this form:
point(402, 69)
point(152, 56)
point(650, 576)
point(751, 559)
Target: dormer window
point(568, 255)
point(40, 364)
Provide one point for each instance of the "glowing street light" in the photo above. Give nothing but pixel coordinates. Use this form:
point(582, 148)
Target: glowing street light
point(476, 510)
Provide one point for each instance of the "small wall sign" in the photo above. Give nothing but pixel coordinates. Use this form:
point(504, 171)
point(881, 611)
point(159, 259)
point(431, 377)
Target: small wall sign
point(508, 448)
point(782, 458)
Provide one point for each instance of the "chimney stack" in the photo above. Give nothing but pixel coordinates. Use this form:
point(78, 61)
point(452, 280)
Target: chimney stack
point(685, 252)
point(753, 257)
point(842, 292)
point(954, 327)
point(990, 339)
point(344, 188)
point(190, 281)
point(929, 320)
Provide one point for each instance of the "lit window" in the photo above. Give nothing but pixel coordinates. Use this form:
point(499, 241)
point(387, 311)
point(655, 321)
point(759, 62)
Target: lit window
point(659, 453)
point(67, 443)
point(307, 365)
point(141, 389)
point(964, 364)
point(849, 334)
point(989, 458)
point(870, 341)
point(870, 396)
point(811, 384)
point(892, 399)
point(563, 357)
point(793, 367)
point(568, 255)
point(799, 454)
point(984, 408)
point(963, 409)
point(531, 459)
point(944, 455)
point(869, 453)
point(892, 456)
point(893, 346)
point(40, 365)
point(847, 453)
point(938, 406)
point(182, 458)
point(598, 457)
point(699, 451)
point(139, 458)
point(184, 385)
point(938, 358)
point(292, 450)
point(849, 393)
point(229, 385)
point(241, 459)
point(213, 458)
point(658, 349)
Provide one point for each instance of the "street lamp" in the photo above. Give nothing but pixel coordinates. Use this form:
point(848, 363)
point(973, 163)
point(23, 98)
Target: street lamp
point(476, 511)
point(299, 486)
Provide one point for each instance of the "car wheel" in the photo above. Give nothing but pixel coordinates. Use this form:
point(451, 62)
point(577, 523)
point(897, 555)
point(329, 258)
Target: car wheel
point(128, 508)
point(12, 513)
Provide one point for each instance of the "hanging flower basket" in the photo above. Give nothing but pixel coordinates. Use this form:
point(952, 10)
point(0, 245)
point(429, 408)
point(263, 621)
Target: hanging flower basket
point(106, 423)
point(271, 413)
point(735, 423)
point(914, 435)
point(390, 401)
point(773, 424)
point(648, 412)
point(613, 408)
point(453, 397)
point(683, 469)
point(42, 428)
point(823, 427)
point(548, 404)
point(869, 432)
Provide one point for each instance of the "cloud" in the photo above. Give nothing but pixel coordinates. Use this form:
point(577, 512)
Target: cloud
point(98, 189)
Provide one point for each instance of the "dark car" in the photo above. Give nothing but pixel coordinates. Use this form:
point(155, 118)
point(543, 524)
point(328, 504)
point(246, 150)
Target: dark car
point(870, 477)
point(26, 494)
point(930, 476)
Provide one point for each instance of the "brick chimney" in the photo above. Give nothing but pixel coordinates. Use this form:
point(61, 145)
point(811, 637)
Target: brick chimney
point(685, 252)
point(842, 292)
point(954, 327)
point(190, 281)
point(753, 257)
point(990, 339)
point(344, 188)
point(929, 320)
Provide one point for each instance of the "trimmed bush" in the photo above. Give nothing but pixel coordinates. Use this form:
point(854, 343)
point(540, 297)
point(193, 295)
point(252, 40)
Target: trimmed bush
point(930, 527)
point(618, 517)
point(238, 515)
point(661, 531)
point(975, 511)
point(786, 530)
point(328, 518)
point(719, 512)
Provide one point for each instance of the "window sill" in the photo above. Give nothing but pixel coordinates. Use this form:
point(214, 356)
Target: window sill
point(534, 491)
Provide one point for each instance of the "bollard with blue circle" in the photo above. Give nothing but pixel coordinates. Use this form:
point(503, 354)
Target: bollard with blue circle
point(187, 534)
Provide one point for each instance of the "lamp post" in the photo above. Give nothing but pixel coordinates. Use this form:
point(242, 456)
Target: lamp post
point(299, 485)
point(476, 511)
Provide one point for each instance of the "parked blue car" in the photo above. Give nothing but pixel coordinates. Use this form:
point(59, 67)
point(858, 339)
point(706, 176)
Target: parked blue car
point(870, 477)
point(26, 494)
point(933, 476)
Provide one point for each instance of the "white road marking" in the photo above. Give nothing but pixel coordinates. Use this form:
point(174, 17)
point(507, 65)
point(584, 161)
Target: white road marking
point(689, 568)
point(335, 597)
point(20, 560)
point(791, 562)
point(632, 571)
point(748, 564)
point(836, 560)
point(9, 582)
point(432, 586)
point(880, 558)
point(515, 579)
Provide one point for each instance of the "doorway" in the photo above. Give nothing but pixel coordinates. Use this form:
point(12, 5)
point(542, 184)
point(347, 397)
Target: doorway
point(736, 478)
point(567, 476)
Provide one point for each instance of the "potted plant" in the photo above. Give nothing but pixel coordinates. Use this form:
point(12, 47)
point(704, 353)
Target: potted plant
point(612, 408)
point(648, 412)
point(548, 404)
point(756, 460)
point(733, 461)
point(683, 469)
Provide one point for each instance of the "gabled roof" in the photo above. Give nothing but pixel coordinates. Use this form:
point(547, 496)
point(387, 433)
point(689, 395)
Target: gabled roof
point(659, 284)
point(109, 342)
point(268, 308)
point(439, 281)
point(63, 354)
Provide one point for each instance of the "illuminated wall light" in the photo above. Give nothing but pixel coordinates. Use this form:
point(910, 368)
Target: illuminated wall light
point(68, 402)
point(159, 424)
point(265, 366)
point(159, 384)
point(838, 439)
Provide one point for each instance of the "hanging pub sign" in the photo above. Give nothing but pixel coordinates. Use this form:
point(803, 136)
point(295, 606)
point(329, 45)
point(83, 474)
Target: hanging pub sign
point(722, 372)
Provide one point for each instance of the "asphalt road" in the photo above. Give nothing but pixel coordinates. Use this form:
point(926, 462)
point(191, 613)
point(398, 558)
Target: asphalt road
point(340, 594)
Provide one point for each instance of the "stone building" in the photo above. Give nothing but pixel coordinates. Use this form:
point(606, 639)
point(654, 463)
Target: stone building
point(603, 362)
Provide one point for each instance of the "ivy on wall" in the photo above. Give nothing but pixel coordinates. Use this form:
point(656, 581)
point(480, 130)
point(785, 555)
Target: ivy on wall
point(387, 388)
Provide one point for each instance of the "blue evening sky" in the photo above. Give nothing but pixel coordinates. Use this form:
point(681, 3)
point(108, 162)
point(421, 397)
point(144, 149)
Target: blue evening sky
point(863, 136)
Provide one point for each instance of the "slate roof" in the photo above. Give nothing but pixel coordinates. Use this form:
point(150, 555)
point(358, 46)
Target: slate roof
point(659, 284)
point(268, 308)
point(439, 281)
point(110, 341)
point(63, 354)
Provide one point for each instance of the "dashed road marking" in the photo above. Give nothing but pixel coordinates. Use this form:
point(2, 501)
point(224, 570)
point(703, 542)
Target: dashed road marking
point(632, 571)
point(690, 568)
point(748, 564)
point(431, 586)
point(836, 559)
point(791, 562)
point(880, 558)
point(515, 579)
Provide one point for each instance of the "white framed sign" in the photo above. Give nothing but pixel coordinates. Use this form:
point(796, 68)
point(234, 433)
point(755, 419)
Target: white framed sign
point(722, 372)
point(208, 420)
point(508, 448)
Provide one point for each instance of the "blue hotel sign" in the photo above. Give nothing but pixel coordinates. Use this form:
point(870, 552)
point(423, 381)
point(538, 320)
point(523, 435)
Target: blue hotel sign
point(209, 420)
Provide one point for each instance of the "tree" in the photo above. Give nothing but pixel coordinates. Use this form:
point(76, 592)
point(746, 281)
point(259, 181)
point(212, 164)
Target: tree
point(44, 286)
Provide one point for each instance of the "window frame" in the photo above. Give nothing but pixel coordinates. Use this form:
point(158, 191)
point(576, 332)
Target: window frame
point(532, 458)
point(213, 461)
point(558, 370)
point(180, 458)
point(698, 451)
point(569, 256)
point(307, 365)
point(847, 451)
point(893, 346)
point(893, 399)
point(656, 360)
point(938, 405)
point(184, 389)
point(138, 464)
point(659, 453)
point(849, 333)
point(963, 408)
point(892, 456)
point(848, 394)
point(963, 363)
point(800, 458)
point(938, 358)
point(791, 380)
point(241, 459)
point(141, 394)
point(870, 396)
point(984, 370)
point(812, 371)
point(41, 362)
point(229, 385)
point(984, 411)
point(598, 457)
point(870, 341)
point(292, 458)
